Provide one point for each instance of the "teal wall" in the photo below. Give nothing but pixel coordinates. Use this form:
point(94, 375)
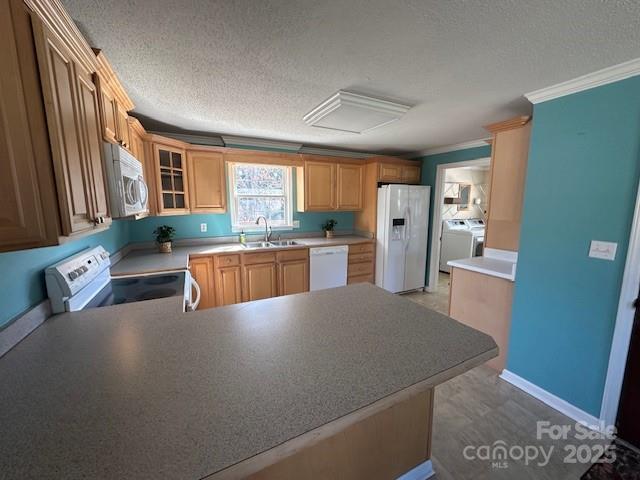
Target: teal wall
point(22, 279)
point(582, 178)
point(188, 226)
point(429, 167)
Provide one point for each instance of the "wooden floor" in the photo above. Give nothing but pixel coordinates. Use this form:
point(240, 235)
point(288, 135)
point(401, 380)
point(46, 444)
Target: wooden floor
point(478, 408)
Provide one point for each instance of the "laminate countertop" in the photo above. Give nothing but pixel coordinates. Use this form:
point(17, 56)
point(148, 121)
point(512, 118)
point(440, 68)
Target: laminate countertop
point(150, 260)
point(143, 391)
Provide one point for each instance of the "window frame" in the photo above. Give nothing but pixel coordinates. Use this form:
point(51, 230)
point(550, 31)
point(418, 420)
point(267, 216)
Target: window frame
point(233, 198)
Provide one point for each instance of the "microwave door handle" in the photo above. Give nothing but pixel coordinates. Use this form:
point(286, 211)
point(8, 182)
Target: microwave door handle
point(131, 193)
point(145, 192)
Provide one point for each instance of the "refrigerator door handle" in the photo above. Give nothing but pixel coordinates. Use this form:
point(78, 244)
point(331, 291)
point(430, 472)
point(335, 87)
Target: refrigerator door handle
point(407, 227)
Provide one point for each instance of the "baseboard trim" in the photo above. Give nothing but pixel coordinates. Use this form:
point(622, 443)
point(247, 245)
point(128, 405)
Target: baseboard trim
point(22, 326)
point(421, 472)
point(553, 401)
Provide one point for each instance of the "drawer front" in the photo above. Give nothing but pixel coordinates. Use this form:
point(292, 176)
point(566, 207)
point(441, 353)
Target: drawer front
point(360, 269)
point(297, 254)
point(360, 248)
point(360, 279)
point(227, 260)
point(360, 257)
point(260, 257)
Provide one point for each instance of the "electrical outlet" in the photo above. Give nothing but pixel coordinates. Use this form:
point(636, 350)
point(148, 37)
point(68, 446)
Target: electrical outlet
point(203, 227)
point(296, 224)
point(603, 250)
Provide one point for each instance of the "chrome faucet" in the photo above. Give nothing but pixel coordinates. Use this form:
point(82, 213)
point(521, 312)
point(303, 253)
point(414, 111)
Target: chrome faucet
point(267, 229)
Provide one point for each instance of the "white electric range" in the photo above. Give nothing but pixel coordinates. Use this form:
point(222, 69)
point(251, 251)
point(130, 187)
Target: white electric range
point(84, 281)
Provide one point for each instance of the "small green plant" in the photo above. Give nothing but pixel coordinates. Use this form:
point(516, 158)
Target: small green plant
point(164, 233)
point(329, 225)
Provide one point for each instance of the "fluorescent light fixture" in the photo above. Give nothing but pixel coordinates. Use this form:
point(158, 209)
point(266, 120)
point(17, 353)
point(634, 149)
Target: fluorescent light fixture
point(350, 112)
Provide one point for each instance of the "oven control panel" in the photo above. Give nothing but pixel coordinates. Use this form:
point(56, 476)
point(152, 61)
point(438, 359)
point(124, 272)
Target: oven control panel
point(73, 273)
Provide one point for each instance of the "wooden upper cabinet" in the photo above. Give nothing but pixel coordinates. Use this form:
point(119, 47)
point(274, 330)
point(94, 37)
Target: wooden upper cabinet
point(350, 186)
point(108, 110)
point(122, 127)
point(207, 182)
point(201, 269)
point(92, 140)
point(26, 180)
point(316, 186)
point(66, 88)
point(411, 173)
point(389, 172)
point(171, 179)
point(509, 154)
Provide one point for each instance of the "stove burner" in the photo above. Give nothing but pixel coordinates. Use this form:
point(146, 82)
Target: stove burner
point(160, 280)
point(125, 282)
point(156, 293)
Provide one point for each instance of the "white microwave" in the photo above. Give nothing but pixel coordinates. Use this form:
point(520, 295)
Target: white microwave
point(128, 191)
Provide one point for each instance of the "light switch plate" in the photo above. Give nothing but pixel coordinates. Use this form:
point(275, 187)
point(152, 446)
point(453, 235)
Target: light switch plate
point(603, 250)
point(203, 227)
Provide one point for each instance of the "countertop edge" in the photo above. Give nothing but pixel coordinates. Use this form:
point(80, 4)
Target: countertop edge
point(484, 270)
point(266, 458)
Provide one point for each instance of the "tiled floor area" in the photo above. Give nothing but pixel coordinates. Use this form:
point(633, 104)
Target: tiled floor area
point(478, 408)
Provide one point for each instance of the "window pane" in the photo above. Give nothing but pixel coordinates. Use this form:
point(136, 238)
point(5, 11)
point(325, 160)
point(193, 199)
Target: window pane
point(259, 180)
point(250, 208)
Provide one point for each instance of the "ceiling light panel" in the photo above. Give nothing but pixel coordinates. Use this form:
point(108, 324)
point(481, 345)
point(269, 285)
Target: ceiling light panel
point(350, 112)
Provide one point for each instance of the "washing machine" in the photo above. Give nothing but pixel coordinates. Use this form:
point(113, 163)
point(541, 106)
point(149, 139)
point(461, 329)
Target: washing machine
point(461, 239)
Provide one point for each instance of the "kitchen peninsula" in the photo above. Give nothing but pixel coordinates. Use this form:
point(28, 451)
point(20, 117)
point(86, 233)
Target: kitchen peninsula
point(255, 390)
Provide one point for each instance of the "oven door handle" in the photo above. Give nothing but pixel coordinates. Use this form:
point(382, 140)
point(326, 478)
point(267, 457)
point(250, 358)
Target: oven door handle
point(194, 304)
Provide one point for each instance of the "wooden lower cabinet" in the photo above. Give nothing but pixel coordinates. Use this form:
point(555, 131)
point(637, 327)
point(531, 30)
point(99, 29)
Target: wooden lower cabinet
point(293, 271)
point(385, 444)
point(227, 279)
point(202, 271)
point(361, 267)
point(259, 281)
point(483, 302)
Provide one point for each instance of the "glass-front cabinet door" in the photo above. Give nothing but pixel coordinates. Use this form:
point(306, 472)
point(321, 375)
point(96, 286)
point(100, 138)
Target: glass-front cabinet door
point(172, 182)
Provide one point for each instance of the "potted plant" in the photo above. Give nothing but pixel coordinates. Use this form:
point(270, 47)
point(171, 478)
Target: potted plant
point(328, 227)
point(164, 234)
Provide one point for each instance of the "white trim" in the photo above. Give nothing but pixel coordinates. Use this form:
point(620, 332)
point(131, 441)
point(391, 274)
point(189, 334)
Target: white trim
point(288, 194)
point(504, 255)
point(550, 399)
point(482, 142)
point(420, 472)
point(436, 226)
point(23, 326)
point(260, 142)
point(624, 324)
point(586, 82)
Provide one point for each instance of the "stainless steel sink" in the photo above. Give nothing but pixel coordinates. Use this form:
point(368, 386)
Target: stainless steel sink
point(259, 245)
point(285, 243)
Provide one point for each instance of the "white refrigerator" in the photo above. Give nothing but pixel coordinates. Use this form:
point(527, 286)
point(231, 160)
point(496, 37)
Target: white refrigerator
point(401, 238)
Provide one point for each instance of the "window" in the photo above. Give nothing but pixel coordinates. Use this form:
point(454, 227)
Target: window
point(260, 190)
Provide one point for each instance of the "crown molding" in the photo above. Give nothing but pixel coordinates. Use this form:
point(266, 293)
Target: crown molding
point(482, 142)
point(105, 70)
point(260, 143)
point(586, 82)
point(508, 124)
point(333, 153)
point(212, 141)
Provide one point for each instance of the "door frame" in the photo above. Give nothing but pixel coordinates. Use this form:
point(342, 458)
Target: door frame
point(624, 324)
point(436, 226)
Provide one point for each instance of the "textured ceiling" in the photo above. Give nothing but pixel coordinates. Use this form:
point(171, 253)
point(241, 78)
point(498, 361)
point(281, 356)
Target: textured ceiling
point(255, 67)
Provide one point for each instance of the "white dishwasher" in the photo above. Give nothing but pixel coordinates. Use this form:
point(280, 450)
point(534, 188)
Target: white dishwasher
point(328, 267)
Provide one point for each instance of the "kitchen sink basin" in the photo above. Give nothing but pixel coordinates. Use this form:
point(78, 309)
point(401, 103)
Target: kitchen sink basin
point(259, 245)
point(285, 243)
